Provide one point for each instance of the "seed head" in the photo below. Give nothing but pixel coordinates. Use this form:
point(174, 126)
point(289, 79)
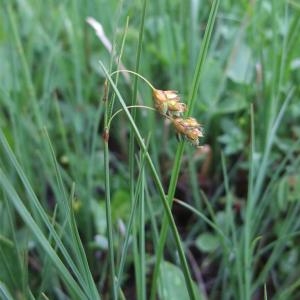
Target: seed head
point(189, 128)
point(163, 96)
point(168, 102)
point(176, 108)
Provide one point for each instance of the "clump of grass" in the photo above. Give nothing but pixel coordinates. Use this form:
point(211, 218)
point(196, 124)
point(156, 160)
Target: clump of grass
point(159, 186)
point(240, 78)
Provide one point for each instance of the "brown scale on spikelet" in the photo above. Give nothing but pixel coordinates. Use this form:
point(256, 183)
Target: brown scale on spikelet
point(168, 103)
point(189, 128)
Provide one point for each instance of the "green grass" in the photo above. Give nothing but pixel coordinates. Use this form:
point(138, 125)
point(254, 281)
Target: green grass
point(142, 215)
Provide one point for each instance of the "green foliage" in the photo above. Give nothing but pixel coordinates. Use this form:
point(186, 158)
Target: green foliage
point(172, 283)
point(207, 242)
point(83, 219)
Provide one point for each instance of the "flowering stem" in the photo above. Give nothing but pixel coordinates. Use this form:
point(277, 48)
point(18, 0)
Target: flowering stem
point(169, 216)
point(179, 152)
point(121, 109)
point(136, 74)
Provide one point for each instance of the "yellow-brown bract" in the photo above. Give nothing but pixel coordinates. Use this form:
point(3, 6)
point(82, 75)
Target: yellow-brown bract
point(189, 128)
point(168, 102)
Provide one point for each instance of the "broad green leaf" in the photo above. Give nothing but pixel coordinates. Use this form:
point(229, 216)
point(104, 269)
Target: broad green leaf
point(172, 283)
point(232, 104)
point(98, 211)
point(239, 69)
point(120, 205)
point(207, 242)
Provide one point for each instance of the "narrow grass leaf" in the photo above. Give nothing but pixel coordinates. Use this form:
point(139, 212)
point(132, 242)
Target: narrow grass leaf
point(177, 161)
point(157, 181)
point(24, 213)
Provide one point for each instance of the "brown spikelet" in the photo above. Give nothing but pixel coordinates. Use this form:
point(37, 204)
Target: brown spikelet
point(168, 102)
point(189, 128)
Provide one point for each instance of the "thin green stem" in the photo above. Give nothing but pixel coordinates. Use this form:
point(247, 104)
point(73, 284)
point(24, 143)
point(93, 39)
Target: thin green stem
point(130, 224)
point(248, 219)
point(112, 101)
point(108, 213)
point(202, 56)
point(109, 221)
point(230, 217)
point(25, 67)
point(131, 134)
point(157, 182)
point(165, 223)
point(136, 74)
point(129, 107)
point(142, 238)
point(109, 105)
point(180, 149)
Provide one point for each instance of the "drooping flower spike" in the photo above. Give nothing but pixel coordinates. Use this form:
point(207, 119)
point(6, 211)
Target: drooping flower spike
point(168, 103)
point(189, 128)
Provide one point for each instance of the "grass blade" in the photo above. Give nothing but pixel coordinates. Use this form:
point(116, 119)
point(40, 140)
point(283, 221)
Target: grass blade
point(24, 213)
point(157, 181)
point(180, 149)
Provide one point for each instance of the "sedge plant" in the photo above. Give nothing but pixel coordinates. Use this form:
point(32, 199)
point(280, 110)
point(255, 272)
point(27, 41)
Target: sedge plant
point(168, 104)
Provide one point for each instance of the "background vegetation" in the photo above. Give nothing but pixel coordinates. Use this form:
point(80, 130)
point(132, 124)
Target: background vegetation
point(76, 211)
